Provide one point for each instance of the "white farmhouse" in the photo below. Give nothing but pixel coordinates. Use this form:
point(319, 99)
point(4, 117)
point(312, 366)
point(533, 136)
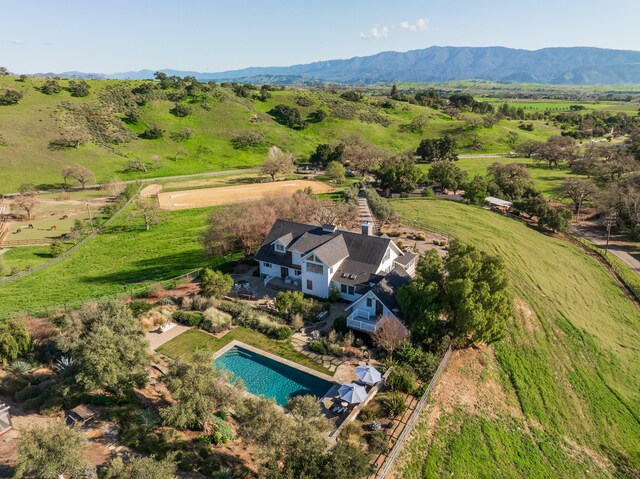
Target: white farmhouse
point(364, 268)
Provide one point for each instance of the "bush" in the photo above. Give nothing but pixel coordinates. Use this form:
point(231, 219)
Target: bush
point(157, 316)
point(371, 411)
point(215, 321)
point(139, 307)
point(187, 318)
point(340, 324)
point(428, 193)
point(215, 284)
point(283, 332)
point(423, 363)
point(222, 431)
point(379, 207)
point(403, 379)
point(395, 403)
point(378, 442)
point(57, 248)
point(180, 110)
point(152, 133)
point(156, 290)
point(15, 340)
point(318, 346)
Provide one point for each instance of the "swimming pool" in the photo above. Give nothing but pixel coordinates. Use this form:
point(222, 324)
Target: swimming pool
point(270, 378)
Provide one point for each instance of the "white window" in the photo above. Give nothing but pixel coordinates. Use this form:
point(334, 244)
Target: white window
point(343, 288)
point(352, 290)
point(369, 302)
point(331, 270)
point(279, 248)
point(309, 284)
point(267, 265)
point(298, 272)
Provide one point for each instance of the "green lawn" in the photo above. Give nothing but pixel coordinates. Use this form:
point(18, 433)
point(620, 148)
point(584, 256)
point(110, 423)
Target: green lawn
point(114, 262)
point(187, 343)
point(572, 365)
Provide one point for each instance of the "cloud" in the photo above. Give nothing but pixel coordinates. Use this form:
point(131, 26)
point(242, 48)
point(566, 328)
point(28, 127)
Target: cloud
point(14, 42)
point(421, 24)
point(382, 31)
point(377, 31)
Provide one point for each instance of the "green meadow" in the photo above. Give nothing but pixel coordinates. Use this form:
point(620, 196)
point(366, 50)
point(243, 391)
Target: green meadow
point(569, 363)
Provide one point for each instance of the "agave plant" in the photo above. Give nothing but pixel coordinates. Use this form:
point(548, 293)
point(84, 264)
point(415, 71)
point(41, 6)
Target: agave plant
point(63, 363)
point(19, 367)
point(147, 419)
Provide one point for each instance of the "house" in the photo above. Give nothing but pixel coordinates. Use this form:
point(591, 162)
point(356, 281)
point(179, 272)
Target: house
point(363, 268)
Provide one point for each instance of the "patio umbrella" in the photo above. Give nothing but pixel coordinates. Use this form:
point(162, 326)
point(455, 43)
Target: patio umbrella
point(352, 393)
point(368, 374)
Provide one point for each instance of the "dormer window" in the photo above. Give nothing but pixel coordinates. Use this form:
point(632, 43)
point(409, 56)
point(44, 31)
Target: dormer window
point(279, 247)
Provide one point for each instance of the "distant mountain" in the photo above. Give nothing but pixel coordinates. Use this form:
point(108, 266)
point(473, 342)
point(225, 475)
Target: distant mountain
point(560, 66)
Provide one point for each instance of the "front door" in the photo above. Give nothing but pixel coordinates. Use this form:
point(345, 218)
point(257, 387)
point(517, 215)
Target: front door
point(284, 272)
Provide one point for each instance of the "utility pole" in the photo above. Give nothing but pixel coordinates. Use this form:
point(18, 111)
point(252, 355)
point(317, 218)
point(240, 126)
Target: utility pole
point(610, 218)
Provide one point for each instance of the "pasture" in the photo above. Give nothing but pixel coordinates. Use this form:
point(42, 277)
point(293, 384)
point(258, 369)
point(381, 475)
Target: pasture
point(205, 197)
point(558, 397)
point(117, 261)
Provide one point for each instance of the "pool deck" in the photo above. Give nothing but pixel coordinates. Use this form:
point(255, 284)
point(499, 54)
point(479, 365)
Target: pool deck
point(261, 352)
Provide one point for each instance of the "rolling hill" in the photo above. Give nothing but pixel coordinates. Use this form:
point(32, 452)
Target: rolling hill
point(558, 66)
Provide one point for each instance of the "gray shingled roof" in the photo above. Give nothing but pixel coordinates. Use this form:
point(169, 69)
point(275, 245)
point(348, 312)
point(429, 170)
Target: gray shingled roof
point(361, 248)
point(332, 251)
point(387, 289)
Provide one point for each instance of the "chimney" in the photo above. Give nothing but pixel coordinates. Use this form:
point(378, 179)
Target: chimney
point(367, 228)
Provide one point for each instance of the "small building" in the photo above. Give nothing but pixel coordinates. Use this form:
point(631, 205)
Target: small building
point(80, 415)
point(5, 419)
point(499, 204)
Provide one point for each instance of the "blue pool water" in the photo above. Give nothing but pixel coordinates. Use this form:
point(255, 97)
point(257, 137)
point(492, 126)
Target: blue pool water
point(264, 376)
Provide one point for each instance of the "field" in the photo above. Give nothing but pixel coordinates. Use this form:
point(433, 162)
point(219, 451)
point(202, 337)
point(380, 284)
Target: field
point(114, 262)
point(198, 198)
point(559, 396)
point(187, 343)
point(547, 179)
point(55, 215)
point(210, 148)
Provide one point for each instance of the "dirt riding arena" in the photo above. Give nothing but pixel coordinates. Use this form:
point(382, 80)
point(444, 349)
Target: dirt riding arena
point(178, 200)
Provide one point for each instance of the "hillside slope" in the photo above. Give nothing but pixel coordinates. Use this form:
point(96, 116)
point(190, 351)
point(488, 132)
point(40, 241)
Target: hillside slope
point(560, 395)
point(29, 127)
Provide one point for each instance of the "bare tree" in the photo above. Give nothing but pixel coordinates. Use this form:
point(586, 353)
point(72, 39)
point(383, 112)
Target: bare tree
point(27, 203)
point(277, 162)
point(81, 174)
point(148, 210)
point(114, 187)
point(578, 190)
point(391, 334)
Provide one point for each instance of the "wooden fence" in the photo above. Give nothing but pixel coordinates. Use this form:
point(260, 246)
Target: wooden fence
point(390, 461)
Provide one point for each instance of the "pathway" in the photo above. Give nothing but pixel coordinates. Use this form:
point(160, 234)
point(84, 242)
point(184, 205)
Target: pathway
point(157, 339)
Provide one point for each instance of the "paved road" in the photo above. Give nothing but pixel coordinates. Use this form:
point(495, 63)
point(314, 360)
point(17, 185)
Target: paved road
point(626, 252)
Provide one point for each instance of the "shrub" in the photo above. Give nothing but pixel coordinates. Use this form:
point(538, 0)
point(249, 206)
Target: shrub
point(423, 363)
point(157, 316)
point(19, 367)
point(139, 307)
point(215, 284)
point(318, 346)
point(371, 411)
point(297, 323)
point(378, 442)
point(222, 431)
point(57, 248)
point(152, 133)
point(215, 321)
point(180, 110)
point(402, 379)
point(340, 324)
point(394, 402)
point(156, 289)
point(428, 193)
point(15, 340)
point(187, 318)
point(283, 332)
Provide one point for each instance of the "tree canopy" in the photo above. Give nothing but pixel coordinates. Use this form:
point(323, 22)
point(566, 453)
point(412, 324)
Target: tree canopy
point(469, 289)
point(107, 345)
point(448, 174)
point(437, 149)
point(400, 174)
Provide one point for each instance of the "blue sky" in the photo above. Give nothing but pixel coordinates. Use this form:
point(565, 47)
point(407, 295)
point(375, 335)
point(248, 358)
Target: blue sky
point(118, 35)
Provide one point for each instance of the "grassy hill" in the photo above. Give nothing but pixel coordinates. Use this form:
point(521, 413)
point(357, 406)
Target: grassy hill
point(559, 397)
point(29, 127)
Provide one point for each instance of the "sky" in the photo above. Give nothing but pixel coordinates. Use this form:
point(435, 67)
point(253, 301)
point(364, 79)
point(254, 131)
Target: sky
point(110, 36)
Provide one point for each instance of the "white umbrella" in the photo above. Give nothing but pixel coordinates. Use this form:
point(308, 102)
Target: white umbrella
point(352, 393)
point(368, 374)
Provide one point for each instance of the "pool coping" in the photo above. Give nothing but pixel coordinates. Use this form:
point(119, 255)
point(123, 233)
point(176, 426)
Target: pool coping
point(286, 362)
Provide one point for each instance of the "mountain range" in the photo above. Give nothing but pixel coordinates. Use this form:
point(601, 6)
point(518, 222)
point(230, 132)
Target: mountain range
point(559, 66)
